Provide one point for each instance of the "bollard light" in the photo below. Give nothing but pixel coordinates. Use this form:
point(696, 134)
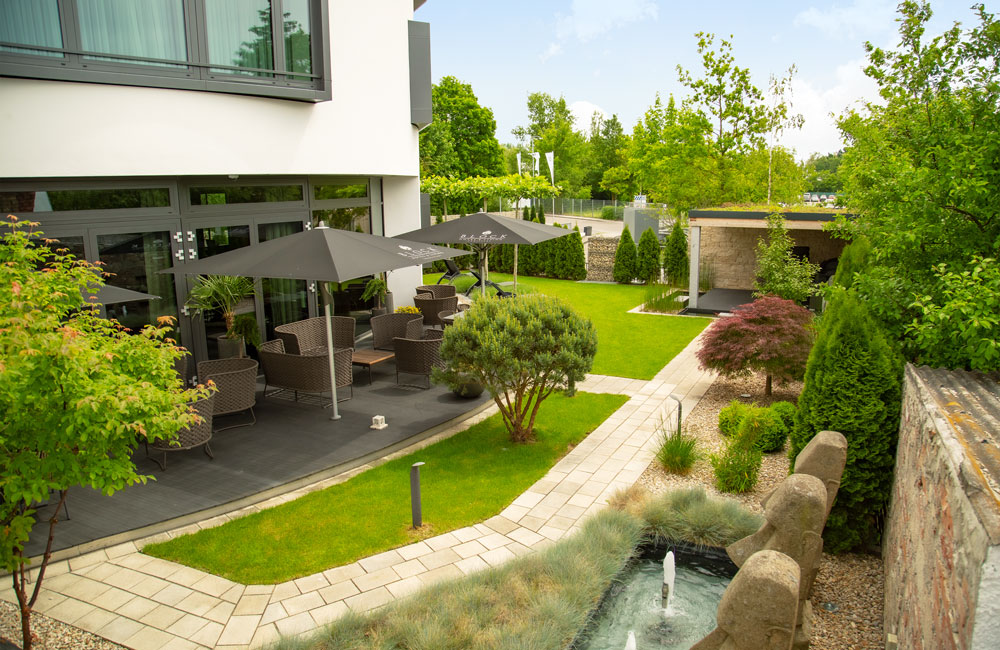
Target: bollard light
point(677, 399)
point(415, 495)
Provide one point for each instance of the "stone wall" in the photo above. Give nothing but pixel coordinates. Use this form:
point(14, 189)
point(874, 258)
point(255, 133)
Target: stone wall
point(601, 258)
point(729, 254)
point(942, 541)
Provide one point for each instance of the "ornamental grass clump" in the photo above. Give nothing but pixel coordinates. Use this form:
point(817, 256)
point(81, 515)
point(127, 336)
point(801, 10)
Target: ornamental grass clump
point(678, 450)
point(690, 515)
point(522, 350)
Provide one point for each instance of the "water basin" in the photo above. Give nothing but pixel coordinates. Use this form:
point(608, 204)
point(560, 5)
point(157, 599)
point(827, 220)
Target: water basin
point(633, 604)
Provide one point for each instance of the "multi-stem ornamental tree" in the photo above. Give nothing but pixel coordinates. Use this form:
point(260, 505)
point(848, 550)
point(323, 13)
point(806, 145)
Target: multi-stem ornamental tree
point(769, 335)
point(779, 272)
point(522, 350)
point(77, 393)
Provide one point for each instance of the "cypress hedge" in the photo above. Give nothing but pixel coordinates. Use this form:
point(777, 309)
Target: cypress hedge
point(648, 257)
point(675, 258)
point(625, 259)
point(853, 384)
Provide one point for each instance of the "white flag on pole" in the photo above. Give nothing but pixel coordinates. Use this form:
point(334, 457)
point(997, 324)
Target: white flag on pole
point(535, 157)
point(518, 163)
point(552, 170)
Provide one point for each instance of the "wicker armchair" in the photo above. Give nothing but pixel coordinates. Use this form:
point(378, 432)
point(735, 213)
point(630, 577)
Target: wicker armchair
point(307, 373)
point(195, 435)
point(430, 307)
point(236, 380)
point(434, 335)
point(445, 313)
point(388, 326)
point(437, 290)
point(417, 357)
point(303, 336)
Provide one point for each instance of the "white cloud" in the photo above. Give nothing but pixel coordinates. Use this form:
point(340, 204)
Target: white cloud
point(819, 105)
point(859, 18)
point(553, 49)
point(591, 18)
point(582, 111)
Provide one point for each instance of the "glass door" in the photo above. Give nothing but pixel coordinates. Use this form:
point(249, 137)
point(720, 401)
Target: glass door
point(284, 300)
point(134, 256)
point(205, 239)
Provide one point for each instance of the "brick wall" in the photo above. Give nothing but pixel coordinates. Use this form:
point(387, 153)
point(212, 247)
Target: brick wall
point(941, 541)
point(731, 252)
point(601, 258)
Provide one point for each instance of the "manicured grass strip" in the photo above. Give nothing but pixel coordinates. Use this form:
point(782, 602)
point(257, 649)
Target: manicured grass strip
point(538, 601)
point(628, 345)
point(467, 478)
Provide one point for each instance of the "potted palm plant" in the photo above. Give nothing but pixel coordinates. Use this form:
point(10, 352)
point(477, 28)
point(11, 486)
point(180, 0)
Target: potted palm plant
point(224, 293)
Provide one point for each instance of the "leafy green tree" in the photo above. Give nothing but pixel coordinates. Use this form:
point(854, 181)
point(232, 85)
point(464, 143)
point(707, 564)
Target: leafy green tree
point(675, 258)
point(522, 350)
point(921, 172)
point(617, 181)
point(853, 385)
point(607, 145)
point(551, 128)
point(737, 110)
point(648, 257)
point(779, 272)
point(624, 270)
point(821, 172)
point(77, 392)
point(461, 141)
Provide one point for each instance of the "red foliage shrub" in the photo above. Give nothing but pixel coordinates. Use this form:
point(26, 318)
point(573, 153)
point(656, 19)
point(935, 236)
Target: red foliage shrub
point(770, 335)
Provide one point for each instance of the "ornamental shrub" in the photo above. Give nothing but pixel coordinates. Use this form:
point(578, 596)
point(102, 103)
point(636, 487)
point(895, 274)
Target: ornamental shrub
point(731, 416)
point(675, 258)
point(769, 335)
point(779, 271)
point(853, 258)
point(764, 427)
point(736, 469)
point(625, 259)
point(608, 212)
point(540, 214)
point(853, 385)
point(786, 411)
point(526, 214)
point(521, 349)
point(648, 257)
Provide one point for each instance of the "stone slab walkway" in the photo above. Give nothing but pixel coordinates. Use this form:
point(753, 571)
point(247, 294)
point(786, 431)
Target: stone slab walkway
point(151, 604)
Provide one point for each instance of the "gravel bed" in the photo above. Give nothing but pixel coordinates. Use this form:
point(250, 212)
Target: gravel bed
point(49, 634)
point(847, 594)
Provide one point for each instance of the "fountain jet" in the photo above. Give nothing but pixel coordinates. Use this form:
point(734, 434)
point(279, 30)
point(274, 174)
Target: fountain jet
point(668, 579)
point(630, 644)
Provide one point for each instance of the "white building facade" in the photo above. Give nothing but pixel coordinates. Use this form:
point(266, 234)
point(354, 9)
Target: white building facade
point(146, 134)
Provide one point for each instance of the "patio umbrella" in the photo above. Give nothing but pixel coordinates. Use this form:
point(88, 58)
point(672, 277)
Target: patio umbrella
point(483, 231)
point(110, 295)
point(323, 254)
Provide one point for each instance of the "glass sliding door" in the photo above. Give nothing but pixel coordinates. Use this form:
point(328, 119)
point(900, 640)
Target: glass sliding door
point(211, 240)
point(134, 259)
point(285, 300)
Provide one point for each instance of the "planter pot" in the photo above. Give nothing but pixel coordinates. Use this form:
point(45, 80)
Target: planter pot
point(229, 348)
point(469, 389)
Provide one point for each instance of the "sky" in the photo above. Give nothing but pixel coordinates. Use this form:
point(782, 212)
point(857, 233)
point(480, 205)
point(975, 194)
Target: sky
point(614, 56)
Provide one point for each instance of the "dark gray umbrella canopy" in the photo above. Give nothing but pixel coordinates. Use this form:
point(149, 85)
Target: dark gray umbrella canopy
point(319, 254)
point(484, 229)
point(109, 295)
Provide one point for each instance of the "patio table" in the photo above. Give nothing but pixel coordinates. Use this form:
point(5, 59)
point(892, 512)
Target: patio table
point(450, 320)
point(369, 358)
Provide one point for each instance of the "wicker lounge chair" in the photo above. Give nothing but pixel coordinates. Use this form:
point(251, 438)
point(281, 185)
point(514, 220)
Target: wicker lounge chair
point(417, 357)
point(430, 307)
point(306, 373)
point(437, 290)
point(452, 273)
point(195, 435)
point(303, 336)
point(388, 326)
point(236, 381)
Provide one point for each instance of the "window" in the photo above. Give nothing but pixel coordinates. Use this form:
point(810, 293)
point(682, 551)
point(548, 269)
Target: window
point(69, 200)
point(229, 194)
point(275, 48)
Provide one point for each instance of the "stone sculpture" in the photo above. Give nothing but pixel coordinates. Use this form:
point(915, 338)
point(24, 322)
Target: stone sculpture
point(793, 524)
point(824, 457)
point(759, 607)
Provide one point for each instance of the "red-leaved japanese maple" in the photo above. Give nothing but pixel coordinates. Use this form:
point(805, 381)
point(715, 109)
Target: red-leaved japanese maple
point(770, 335)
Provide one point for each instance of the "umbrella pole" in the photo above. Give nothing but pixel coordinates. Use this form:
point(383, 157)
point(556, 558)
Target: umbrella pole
point(486, 267)
point(515, 268)
point(329, 349)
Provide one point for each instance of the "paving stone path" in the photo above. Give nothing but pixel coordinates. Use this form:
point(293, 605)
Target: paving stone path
point(151, 604)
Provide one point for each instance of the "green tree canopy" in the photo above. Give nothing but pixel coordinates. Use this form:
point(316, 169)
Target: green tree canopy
point(923, 168)
point(551, 128)
point(461, 141)
point(779, 272)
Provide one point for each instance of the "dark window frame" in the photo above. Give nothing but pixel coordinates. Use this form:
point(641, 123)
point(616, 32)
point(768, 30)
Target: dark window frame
point(198, 74)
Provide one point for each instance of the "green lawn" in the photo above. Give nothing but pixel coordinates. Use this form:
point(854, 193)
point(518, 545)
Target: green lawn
point(628, 345)
point(467, 478)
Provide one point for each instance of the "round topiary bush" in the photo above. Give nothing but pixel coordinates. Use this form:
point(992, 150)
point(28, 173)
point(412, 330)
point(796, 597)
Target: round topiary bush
point(731, 416)
point(763, 429)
